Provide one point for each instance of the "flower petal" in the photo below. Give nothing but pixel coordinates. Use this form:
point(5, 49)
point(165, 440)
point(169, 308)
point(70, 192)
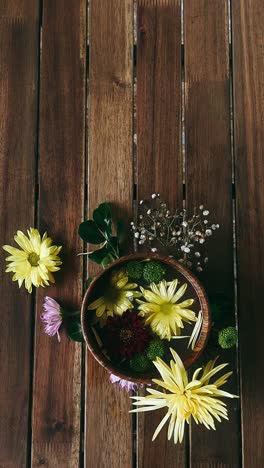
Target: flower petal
point(160, 426)
point(179, 293)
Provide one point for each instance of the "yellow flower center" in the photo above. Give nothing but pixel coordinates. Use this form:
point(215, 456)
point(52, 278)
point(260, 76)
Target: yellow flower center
point(33, 259)
point(166, 308)
point(112, 295)
point(185, 405)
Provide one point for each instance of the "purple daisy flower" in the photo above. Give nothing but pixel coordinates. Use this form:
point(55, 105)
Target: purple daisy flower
point(51, 317)
point(125, 384)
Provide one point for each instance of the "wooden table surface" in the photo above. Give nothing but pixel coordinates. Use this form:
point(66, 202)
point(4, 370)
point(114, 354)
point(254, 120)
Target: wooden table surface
point(72, 76)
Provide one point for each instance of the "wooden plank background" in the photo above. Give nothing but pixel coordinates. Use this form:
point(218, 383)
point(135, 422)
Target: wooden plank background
point(248, 59)
point(197, 73)
point(19, 44)
point(57, 369)
point(159, 158)
point(209, 181)
point(110, 177)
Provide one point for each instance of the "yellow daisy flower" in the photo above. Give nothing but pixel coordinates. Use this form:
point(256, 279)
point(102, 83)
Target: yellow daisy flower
point(117, 296)
point(36, 260)
point(163, 312)
point(197, 398)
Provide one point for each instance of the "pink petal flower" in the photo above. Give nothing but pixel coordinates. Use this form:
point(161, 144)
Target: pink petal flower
point(125, 384)
point(51, 317)
point(114, 378)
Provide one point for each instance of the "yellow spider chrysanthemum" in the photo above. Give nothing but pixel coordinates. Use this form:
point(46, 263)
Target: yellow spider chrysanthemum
point(163, 312)
point(35, 262)
point(197, 398)
point(117, 296)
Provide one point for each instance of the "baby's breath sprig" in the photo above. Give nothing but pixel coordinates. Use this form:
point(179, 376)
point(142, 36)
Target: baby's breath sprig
point(180, 234)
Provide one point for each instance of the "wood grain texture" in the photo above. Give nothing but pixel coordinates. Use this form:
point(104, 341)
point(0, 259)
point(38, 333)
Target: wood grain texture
point(159, 160)
point(209, 181)
point(19, 47)
point(25, 10)
point(57, 375)
point(248, 65)
point(110, 178)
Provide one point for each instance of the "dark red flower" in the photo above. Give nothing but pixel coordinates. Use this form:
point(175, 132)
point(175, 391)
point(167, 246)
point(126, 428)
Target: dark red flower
point(126, 335)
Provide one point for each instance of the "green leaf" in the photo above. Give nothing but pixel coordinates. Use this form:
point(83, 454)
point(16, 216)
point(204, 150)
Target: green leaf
point(89, 232)
point(74, 330)
point(98, 255)
point(120, 228)
point(73, 314)
point(113, 242)
point(107, 260)
point(102, 217)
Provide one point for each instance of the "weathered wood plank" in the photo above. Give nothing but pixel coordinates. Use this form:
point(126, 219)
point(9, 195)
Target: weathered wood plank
point(110, 172)
point(209, 181)
point(57, 376)
point(248, 65)
point(19, 45)
point(12, 10)
point(159, 159)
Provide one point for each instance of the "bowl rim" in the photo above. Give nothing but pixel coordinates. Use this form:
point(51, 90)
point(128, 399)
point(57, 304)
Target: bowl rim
point(190, 277)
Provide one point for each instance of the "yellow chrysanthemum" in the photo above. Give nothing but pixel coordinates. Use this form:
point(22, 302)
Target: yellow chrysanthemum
point(197, 398)
point(117, 296)
point(163, 312)
point(36, 262)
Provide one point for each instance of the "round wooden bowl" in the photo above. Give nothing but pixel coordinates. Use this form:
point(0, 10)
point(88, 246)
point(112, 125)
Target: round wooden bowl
point(183, 274)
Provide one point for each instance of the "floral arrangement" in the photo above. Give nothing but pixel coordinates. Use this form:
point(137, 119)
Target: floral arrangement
point(143, 308)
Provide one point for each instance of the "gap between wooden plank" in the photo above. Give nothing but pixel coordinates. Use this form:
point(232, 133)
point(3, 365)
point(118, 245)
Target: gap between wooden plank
point(33, 308)
point(84, 249)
